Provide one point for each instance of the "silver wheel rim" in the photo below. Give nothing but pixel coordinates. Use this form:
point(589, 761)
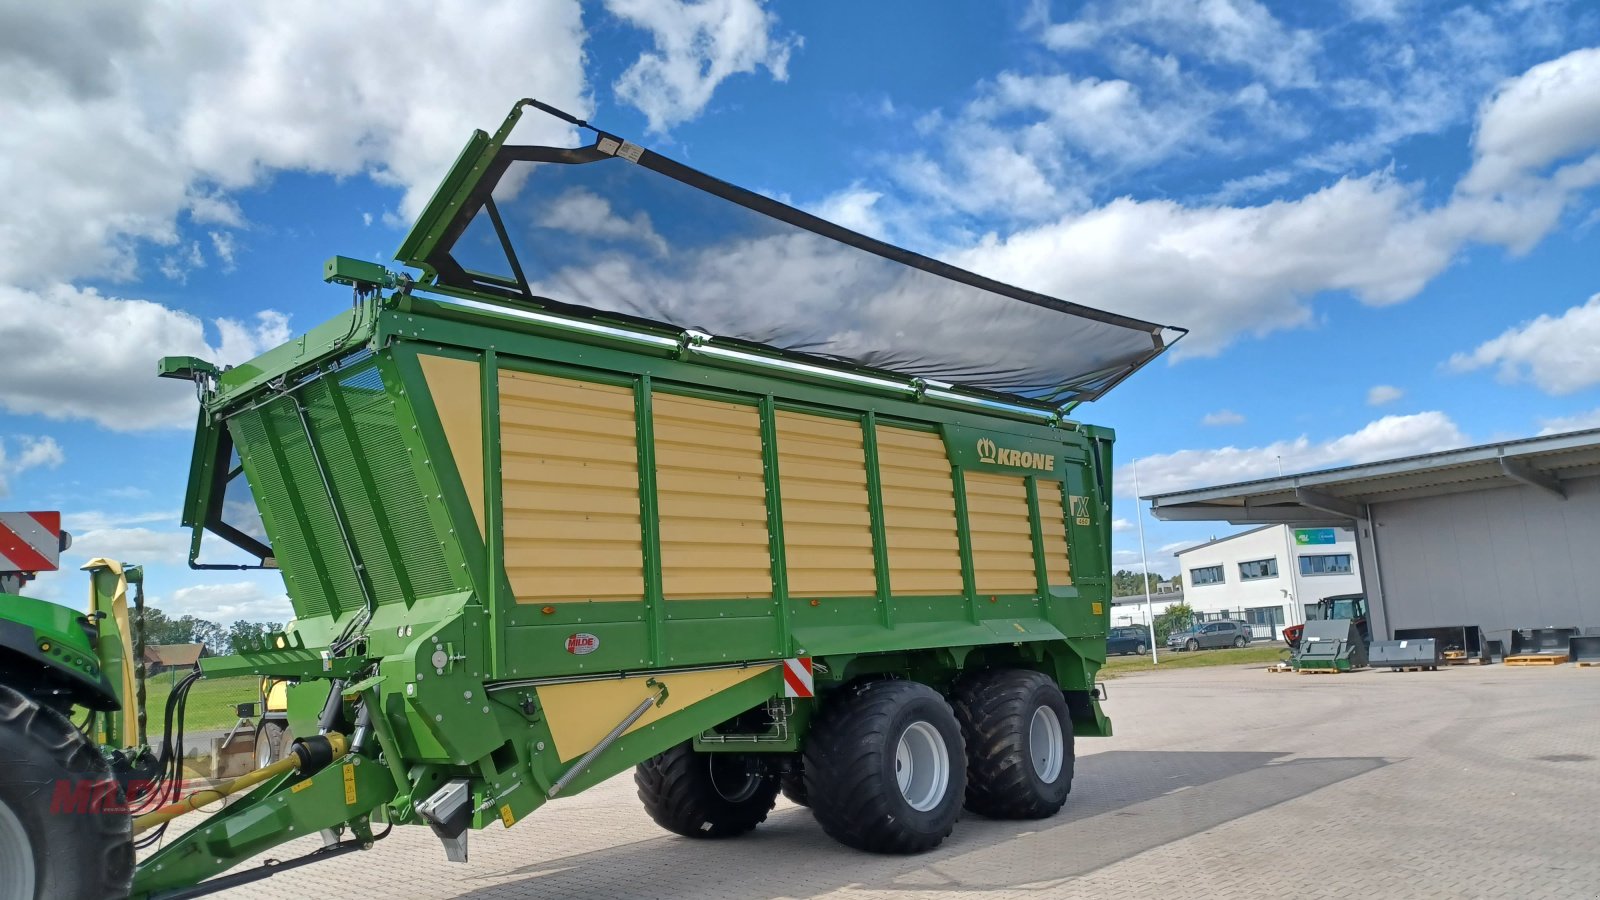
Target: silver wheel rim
point(17, 878)
point(922, 766)
point(1045, 745)
point(1140, 649)
point(734, 787)
point(264, 748)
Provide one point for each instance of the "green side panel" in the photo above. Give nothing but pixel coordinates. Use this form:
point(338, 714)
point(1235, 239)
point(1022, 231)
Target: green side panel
point(356, 449)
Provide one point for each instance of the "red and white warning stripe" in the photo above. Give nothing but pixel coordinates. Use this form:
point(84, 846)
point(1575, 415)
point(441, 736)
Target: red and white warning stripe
point(30, 541)
point(797, 677)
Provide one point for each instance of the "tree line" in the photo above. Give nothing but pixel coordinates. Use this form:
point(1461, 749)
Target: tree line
point(1131, 584)
point(160, 628)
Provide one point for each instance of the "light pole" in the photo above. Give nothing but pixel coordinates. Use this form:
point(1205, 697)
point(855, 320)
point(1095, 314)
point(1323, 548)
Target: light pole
point(1149, 615)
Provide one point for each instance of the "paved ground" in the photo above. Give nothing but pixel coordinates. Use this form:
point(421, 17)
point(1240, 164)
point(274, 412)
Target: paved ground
point(1469, 782)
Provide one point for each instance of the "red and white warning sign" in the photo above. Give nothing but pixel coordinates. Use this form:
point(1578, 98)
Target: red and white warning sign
point(30, 541)
point(797, 677)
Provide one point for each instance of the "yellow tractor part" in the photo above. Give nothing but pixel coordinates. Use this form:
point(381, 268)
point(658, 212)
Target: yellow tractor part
point(108, 594)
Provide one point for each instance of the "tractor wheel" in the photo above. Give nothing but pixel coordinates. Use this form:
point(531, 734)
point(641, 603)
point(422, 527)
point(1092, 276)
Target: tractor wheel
point(1240, 642)
point(885, 767)
point(63, 829)
point(1019, 743)
point(1192, 646)
point(705, 795)
point(272, 742)
point(794, 788)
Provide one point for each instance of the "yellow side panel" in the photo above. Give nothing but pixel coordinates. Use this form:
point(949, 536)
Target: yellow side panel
point(1002, 534)
point(582, 713)
point(569, 485)
point(457, 389)
point(827, 521)
point(919, 512)
point(712, 496)
point(1053, 523)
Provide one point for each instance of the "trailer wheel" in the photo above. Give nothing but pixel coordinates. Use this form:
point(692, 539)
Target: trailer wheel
point(272, 742)
point(63, 829)
point(705, 795)
point(884, 768)
point(794, 787)
point(1019, 743)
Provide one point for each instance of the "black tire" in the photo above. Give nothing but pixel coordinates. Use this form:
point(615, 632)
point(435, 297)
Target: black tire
point(794, 788)
point(82, 851)
point(705, 795)
point(1019, 743)
point(272, 742)
point(853, 765)
point(1239, 643)
point(1192, 646)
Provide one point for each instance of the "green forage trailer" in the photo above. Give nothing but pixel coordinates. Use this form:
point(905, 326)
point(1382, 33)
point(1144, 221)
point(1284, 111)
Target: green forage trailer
point(632, 468)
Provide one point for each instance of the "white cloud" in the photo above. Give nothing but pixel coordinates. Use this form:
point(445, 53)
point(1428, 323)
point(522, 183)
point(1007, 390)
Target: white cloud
point(1226, 271)
point(1557, 353)
point(1222, 417)
point(177, 265)
point(139, 546)
point(1547, 114)
point(33, 452)
point(1030, 147)
point(698, 45)
point(855, 208)
point(1386, 438)
point(121, 116)
point(228, 602)
point(1377, 10)
point(1121, 525)
point(1577, 422)
point(223, 244)
point(1236, 33)
point(91, 356)
point(1379, 394)
point(580, 212)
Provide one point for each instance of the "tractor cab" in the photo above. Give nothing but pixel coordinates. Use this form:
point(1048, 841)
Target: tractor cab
point(1342, 606)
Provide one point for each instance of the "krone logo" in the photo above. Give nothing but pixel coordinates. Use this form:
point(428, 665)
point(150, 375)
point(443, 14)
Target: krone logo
point(994, 455)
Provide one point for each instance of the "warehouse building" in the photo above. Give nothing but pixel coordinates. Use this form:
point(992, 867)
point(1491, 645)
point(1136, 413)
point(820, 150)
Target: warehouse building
point(1267, 575)
point(1500, 536)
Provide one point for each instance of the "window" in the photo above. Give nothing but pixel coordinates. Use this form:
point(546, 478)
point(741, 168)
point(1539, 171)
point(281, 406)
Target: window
point(1258, 568)
point(1264, 615)
point(1206, 575)
point(1325, 564)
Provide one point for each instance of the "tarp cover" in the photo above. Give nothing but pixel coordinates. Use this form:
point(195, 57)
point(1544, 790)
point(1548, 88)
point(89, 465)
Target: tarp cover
point(618, 230)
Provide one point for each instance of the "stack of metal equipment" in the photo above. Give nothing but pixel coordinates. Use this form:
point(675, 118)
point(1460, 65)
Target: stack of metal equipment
point(1330, 645)
point(1411, 653)
point(1541, 646)
point(1458, 644)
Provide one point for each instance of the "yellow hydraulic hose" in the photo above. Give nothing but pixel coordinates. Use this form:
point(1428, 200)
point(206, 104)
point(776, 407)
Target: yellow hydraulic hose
point(203, 796)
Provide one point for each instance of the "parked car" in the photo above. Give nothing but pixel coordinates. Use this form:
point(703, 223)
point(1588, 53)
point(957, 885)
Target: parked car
point(1206, 635)
point(1128, 639)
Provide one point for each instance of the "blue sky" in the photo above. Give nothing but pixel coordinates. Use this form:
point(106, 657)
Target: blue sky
point(1377, 217)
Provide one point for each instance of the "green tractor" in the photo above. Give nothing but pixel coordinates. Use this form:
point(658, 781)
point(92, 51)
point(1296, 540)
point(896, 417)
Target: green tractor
point(72, 731)
point(629, 468)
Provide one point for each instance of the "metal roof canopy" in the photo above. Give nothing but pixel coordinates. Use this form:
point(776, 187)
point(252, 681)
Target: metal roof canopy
point(1338, 496)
